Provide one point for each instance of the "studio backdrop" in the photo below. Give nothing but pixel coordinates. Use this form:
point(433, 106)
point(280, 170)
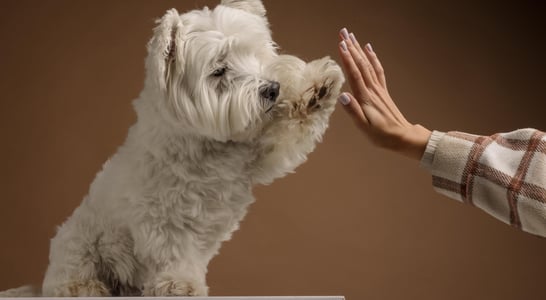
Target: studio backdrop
point(353, 220)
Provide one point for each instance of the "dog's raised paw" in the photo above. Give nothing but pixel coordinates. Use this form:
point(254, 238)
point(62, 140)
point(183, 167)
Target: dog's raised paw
point(326, 79)
point(316, 94)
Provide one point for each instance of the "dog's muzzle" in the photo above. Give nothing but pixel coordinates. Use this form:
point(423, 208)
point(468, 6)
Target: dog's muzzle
point(270, 91)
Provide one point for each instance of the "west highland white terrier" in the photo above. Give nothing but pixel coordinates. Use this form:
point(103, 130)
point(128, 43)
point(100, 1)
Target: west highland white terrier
point(220, 111)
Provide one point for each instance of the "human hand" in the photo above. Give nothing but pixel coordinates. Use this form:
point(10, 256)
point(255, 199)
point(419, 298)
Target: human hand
point(371, 106)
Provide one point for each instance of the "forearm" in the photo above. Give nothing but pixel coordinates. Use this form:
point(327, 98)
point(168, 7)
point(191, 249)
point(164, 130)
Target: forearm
point(285, 145)
point(503, 174)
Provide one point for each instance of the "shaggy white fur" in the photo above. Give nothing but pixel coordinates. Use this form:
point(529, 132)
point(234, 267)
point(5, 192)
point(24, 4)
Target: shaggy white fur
point(220, 111)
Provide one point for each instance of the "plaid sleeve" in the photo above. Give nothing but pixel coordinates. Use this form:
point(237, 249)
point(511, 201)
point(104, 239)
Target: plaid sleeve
point(503, 174)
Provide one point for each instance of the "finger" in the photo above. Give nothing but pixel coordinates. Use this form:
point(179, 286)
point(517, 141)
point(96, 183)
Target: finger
point(378, 75)
point(378, 68)
point(353, 39)
point(362, 63)
point(369, 64)
point(354, 76)
point(354, 109)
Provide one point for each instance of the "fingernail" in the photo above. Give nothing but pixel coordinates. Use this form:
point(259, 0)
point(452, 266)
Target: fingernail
point(344, 99)
point(343, 46)
point(369, 47)
point(353, 38)
point(345, 33)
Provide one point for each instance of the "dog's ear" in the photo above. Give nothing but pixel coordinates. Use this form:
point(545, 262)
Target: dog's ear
point(164, 47)
point(252, 6)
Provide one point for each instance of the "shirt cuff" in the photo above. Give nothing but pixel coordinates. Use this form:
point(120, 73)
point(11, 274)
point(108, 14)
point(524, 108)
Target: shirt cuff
point(428, 155)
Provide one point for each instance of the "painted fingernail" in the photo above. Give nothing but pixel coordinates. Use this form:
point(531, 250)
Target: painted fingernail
point(369, 47)
point(345, 33)
point(343, 46)
point(344, 99)
point(353, 38)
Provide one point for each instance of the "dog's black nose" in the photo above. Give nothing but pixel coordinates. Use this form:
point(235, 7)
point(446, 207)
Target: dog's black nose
point(271, 91)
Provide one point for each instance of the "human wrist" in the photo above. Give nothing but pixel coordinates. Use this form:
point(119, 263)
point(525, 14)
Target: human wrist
point(415, 141)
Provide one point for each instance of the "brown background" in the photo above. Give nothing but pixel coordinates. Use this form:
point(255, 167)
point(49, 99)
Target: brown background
point(353, 220)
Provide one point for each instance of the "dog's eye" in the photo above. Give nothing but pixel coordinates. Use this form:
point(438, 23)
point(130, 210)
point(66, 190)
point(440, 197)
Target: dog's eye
point(219, 72)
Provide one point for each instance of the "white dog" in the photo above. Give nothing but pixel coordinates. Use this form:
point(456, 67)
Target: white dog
point(220, 112)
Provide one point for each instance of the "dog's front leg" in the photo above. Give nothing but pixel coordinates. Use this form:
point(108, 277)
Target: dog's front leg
point(300, 117)
point(172, 267)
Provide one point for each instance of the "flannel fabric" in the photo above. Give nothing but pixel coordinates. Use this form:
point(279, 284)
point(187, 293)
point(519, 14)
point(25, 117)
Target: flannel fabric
point(503, 174)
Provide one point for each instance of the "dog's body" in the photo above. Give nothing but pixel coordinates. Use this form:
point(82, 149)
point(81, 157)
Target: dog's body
point(220, 112)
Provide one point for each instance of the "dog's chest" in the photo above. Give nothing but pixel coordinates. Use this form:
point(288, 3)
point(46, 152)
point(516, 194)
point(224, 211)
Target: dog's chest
point(208, 194)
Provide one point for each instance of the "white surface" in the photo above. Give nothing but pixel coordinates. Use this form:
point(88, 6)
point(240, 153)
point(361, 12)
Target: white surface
point(198, 298)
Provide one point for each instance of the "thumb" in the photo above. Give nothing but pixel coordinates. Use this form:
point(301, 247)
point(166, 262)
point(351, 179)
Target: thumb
point(352, 107)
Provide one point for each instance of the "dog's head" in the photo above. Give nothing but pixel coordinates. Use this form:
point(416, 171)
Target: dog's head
point(207, 68)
